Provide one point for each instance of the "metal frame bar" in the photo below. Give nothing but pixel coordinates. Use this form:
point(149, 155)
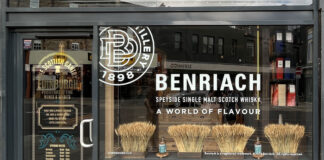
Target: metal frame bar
point(11, 141)
point(3, 101)
point(19, 93)
point(321, 52)
point(160, 9)
point(316, 124)
point(177, 23)
point(78, 19)
point(321, 5)
point(95, 94)
point(15, 94)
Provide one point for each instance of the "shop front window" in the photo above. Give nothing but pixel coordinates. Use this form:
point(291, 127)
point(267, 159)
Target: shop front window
point(188, 105)
point(154, 3)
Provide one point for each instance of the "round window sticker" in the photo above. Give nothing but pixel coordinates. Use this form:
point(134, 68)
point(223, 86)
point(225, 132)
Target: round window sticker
point(126, 54)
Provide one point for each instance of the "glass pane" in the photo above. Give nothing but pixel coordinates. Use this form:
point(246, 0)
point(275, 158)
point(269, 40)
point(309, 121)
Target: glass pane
point(210, 45)
point(205, 43)
point(211, 40)
point(250, 47)
point(195, 39)
point(183, 96)
point(221, 46)
point(177, 40)
point(153, 3)
point(289, 37)
point(279, 36)
point(234, 46)
point(57, 97)
point(195, 43)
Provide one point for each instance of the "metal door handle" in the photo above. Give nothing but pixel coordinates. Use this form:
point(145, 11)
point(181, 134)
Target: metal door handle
point(90, 132)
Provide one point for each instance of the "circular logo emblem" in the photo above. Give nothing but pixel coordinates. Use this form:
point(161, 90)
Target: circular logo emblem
point(126, 53)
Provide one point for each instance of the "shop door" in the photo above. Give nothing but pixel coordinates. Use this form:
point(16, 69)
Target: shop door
point(57, 91)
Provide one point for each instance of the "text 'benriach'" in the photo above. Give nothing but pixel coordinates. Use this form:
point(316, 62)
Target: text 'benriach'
point(189, 82)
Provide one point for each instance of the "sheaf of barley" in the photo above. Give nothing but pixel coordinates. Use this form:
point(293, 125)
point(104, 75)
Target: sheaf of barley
point(135, 135)
point(284, 138)
point(189, 138)
point(232, 138)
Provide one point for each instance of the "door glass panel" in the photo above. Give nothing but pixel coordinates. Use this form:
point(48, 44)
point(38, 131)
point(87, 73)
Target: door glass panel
point(259, 77)
point(57, 96)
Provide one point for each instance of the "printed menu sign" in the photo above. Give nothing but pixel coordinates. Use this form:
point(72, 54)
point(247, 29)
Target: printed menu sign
point(57, 108)
point(57, 116)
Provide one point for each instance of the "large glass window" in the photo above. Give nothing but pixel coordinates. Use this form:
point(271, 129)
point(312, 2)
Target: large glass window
point(257, 98)
point(153, 3)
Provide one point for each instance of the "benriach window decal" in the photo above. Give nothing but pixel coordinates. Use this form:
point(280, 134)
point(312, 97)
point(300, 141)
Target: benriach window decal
point(205, 83)
point(126, 54)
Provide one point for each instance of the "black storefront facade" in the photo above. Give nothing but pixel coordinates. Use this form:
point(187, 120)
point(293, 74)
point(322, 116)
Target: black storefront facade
point(58, 99)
